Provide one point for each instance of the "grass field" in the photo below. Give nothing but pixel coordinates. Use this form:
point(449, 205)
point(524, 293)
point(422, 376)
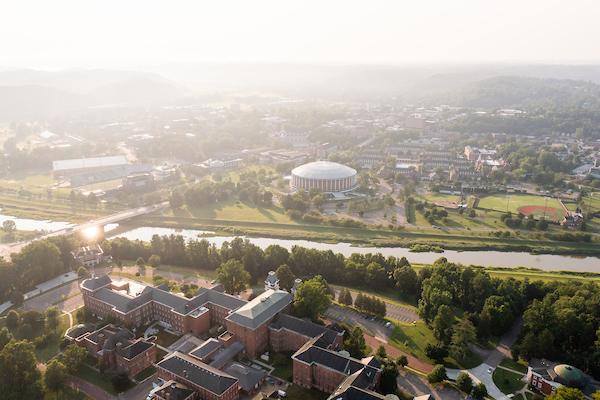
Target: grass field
point(236, 211)
point(513, 202)
point(51, 348)
point(412, 338)
point(441, 199)
point(295, 392)
point(508, 382)
point(517, 366)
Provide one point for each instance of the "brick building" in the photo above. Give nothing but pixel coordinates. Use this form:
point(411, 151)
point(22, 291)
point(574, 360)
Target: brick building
point(117, 349)
point(324, 369)
point(134, 304)
point(249, 323)
point(209, 383)
point(288, 333)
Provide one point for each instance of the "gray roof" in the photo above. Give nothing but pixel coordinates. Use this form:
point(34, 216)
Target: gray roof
point(198, 373)
point(205, 349)
point(226, 354)
point(249, 377)
point(261, 309)
point(324, 170)
point(96, 282)
point(304, 327)
point(311, 353)
point(93, 162)
point(182, 305)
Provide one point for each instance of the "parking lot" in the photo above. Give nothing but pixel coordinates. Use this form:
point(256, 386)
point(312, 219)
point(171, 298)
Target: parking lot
point(372, 326)
point(393, 310)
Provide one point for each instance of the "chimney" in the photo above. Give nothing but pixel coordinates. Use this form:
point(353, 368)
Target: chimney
point(185, 373)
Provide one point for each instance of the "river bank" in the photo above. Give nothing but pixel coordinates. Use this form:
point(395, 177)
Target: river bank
point(488, 258)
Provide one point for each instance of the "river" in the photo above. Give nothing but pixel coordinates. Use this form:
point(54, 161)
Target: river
point(546, 262)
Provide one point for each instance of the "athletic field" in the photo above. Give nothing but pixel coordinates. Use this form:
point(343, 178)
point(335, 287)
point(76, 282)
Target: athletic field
point(527, 204)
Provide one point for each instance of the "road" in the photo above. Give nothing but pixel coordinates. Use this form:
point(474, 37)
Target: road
point(495, 357)
point(7, 249)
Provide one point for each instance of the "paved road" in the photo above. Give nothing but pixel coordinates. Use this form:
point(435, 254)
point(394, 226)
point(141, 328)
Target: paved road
point(67, 298)
point(392, 310)
point(7, 249)
point(481, 372)
point(351, 317)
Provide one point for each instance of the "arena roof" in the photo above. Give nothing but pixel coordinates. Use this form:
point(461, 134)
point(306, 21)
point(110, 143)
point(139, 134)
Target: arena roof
point(94, 162)
point(324, 170)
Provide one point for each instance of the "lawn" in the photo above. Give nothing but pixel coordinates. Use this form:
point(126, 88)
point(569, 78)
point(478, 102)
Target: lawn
point(145, 374)
point(103, 381)
point(508, 382)
point(65, 394)
point(283, 366)
point(51, 348)
point(441, 199)
point(412, 338)
point(517, 366)
point(236, 211)
point(295, 392)
point(166, 339)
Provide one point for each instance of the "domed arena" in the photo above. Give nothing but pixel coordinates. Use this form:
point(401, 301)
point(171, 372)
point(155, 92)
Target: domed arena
point(325, 176)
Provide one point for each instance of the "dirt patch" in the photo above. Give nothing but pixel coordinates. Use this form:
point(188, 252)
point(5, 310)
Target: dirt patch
point(551, 213)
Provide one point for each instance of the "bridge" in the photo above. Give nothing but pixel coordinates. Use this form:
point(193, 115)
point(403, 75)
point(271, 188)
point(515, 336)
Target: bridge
point(7, 249)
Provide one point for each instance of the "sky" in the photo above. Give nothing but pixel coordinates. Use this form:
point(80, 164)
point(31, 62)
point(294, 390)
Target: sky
point(61, 34)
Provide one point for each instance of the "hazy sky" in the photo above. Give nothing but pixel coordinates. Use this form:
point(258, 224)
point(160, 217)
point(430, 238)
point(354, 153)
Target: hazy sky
point(128, 33)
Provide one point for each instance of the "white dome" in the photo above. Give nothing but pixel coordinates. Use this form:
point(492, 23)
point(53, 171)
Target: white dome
point(324, 170)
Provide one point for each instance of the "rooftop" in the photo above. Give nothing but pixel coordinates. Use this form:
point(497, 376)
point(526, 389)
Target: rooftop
point(94, 162)
point(198, 373)
point(261, 309)
point(324, 170)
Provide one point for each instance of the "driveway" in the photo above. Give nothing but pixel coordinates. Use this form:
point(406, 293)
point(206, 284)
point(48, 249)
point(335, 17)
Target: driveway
point(392, 310)
point(495, 357)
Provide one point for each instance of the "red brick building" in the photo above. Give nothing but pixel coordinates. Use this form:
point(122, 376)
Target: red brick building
point(209, 383)
point(134, 304)
point(116, 349)
point(249, 323)
point(315, 367)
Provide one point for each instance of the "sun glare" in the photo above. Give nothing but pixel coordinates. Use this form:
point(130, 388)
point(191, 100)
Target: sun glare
point(91, 232)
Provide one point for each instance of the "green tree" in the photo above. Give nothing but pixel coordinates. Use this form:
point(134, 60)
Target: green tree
point(464, 334)
point(312, 298)
point(20, 378)
point(55, 375)
point(286, 277)
point(402, 361)
point(355, 343)
point(5, 337)
point(73, 357)
point(276, 256)
point(566, 393)
point(176, 200)
point(233, 276)
point(442, 324)
point(406, 280)
point(12, 320)
point(120, 382)
point(82, 272)
point(9, 226)
point(479, 391)
point(389, 376)
point(52, 319)
point(154, 260)
point(438, 374)
point(380, 353)
point(464, 382)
